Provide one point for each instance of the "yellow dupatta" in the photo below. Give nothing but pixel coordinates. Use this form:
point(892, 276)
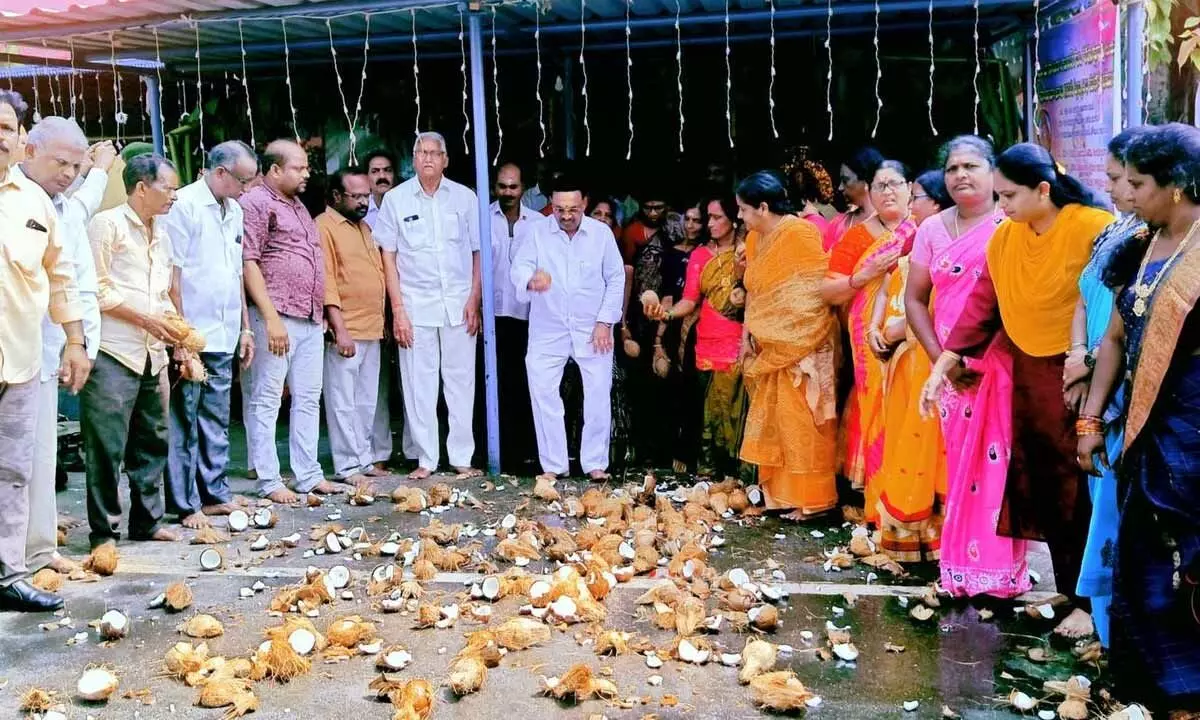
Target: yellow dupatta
point(1036, 277)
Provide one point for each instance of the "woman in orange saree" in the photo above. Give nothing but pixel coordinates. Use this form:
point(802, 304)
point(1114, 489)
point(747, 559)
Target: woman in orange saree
point(856, 279)
point(790, 356)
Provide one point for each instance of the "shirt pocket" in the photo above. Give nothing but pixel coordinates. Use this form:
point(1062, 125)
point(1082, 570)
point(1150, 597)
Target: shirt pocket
point(417, 233)
point(453, 229)
point(26, 248)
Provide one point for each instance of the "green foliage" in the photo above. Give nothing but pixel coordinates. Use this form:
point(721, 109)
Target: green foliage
point(1161, 40)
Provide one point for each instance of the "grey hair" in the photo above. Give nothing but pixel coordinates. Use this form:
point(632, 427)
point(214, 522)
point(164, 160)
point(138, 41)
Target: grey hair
point(228, 153)
point(977, 146)
point(422, 137)
point(60, 129)
point(144, 168)
point(14, 100)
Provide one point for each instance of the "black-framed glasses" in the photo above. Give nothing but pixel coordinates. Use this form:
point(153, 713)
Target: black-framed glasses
point(893, 185)
point(240, 180)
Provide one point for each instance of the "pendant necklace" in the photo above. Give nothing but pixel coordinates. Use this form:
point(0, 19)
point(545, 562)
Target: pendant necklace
point(957, 231)
point(1143, 290)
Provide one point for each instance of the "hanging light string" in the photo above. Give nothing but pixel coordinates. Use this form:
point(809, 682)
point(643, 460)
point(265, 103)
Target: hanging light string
point(462, 68)
point(71, 79)
point(118, 100)
point(931, 66)
point(975, 77)
point(829, 72)
point(417, 72)
point(629, 78)
point(496, 92)
point(587, 128)
point(162, 118)
point(679, 72)
point(246, 84)
point(287, 69)
point(537, 40)
point(182, 101)
point(878, 76)
point(362, 83)
point(337, 73)
point(50, 81)
point(199, 87)
point(771, 85)
point(728, 82)
point(83, 113)
point(1037, 62)
point(99, 104)
point(37, 98)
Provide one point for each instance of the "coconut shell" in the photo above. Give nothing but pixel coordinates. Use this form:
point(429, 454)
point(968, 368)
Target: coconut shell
point(689, 616)
point(428, 615)
point(779, 691)
point(543, 489)
point(521, 633)
point(766, 620)
point(758, 657)
point(350, 631)
point(178, 597)
point(467, 673)
point(511, 549)
point(103, 560)
point(221, 692)
point(580, 683)
point(410, 499)
point(202, 626)
point(440, 494)
point(184, 659)
point(414, 701)
point(47, 579)
point(738, 501)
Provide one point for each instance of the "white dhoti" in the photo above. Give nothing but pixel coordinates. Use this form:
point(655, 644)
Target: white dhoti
point(448, 354)
point(350, 391)
point(545, 365)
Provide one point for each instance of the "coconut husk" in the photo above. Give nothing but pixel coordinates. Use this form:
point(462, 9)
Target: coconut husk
point(350, 631)
point(184, 659)
point(311, 595)
point(588, 536)
point(737, 600)
point(178, 597)
point(543, 489)
point(580, 683)
point(385, 687)
point(612, 642)
point(203, 627)
point(414, 701)
point(766, 619)
point(521, 633)
point(103, 560)
point(281, 662)
point(424, 570)
point(664, 592)
point(452, 561)
point(409, 499)
point(440, 533)
point(220, 691)
point(758, 657)
point(440, 494)
point(646, 559)
point(427, 616)
point(719, 502)
point(588, 610)
point(467, 674)
point(37, 700)
point(48, 580)
point(779, 691)
point(689, 616)
point(209, 536)
point(512, 548)
point(290, 625)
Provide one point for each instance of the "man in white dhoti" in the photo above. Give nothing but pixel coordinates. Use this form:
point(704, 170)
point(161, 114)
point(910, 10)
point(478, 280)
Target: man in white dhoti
point(428, 229)
point(570, 271)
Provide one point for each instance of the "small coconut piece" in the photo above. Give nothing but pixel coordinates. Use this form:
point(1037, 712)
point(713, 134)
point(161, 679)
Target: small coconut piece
point(580, 683)
point(543, 489)
point(735, 578)
point(521, 633)
point(264, 518)
point(1021, 702)
point(845, 651)
point(202, 626)
point(692, 650)
point(239, 520)
point(113, 625)
point(689, 616)
point(338, 577)
point(211, 559)
point(565, 609)
point(612, 642)
point(394, 659)
point(758, 657)
point(780, 691)
point(184, 659)
point(47, 580)
point(428, 615)
point(291, 541)
point(103, 560)
point(440, 494)
point(921, 613)
point(764, 618)
point(911, 705)
point(349, 631)
point(260, 543)
point(96, 684)
point(178, 597)
point(467, 673)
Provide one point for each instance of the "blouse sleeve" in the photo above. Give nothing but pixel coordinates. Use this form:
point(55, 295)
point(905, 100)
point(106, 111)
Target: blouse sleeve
point(979, 321)
point(846, 253)
point(691, 283)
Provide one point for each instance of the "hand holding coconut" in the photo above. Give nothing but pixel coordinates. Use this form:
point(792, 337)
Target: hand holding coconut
point(540, 282)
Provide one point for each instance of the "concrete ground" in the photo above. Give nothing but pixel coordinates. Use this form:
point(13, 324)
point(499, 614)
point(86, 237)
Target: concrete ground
point(956, 660)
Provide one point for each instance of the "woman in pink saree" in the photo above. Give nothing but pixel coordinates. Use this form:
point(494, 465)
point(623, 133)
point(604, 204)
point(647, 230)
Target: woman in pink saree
point(976, 405)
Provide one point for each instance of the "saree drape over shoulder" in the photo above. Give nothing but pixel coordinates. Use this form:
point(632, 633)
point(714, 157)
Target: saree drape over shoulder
point(791, 428)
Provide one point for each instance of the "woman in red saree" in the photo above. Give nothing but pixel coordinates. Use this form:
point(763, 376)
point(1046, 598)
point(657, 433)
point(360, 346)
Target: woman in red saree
point(856, 280)
point(854, 183)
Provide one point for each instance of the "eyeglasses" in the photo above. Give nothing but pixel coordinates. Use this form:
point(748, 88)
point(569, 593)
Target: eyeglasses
point(920, 197)
point(240, 180)
point(430, 153)
point(893, 185)
point(567, 210)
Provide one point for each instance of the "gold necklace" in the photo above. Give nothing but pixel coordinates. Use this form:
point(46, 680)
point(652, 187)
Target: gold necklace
point(1143, 290)
point(958, 232)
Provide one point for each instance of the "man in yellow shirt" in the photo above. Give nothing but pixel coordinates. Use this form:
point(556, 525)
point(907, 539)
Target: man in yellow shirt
point(34, 277)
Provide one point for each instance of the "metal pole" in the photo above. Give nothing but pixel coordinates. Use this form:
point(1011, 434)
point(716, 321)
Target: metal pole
point(1135, 29)
point(153, 105)
point(568, 93)
point(1117, 83)
point(479, 121)
point(1030, 89)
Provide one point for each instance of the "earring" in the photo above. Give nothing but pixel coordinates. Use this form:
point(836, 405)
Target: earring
point(1178, 196)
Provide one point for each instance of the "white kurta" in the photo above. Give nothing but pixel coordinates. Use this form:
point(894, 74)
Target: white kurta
point(587, 286)
point(434, 237)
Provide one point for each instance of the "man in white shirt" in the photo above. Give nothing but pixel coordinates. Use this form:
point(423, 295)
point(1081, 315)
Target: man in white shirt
point(428, 229)
point(55, 154)
point(571, 270)
point(205, 228)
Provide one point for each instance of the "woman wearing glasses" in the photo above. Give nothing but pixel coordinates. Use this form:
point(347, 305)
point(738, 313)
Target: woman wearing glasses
point(858, 272)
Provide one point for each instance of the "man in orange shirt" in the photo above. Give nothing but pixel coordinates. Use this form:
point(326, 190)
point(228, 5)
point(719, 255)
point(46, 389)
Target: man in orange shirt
point(354, 304)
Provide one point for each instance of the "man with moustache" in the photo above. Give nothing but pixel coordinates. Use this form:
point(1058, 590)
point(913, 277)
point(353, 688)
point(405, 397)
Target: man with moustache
point(285, 281)
point(381, 176)
point(56, 154)
point(354, 300)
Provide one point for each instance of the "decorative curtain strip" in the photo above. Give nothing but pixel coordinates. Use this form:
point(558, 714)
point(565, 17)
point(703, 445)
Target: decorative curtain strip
point(118, 101)
point(162, 117)
point(537, 41)
point(37, 98)
point(54, 107)
point(337, 73)
point(587, 128)
point(829, 71)
point(246, 84)
point(496, 92)
point(71, 78)
point(287, 68)
point(199, 87)
point(679, 72)
point(629, 78)
point(1037, 63)
point(975, 77)
point(878, 75)
point(417, 69)
point(83, 113)
point(771, 85)
point(931, 69)
point(362, 82)
point(462, 68)
point(728, 82)
point(99, 104)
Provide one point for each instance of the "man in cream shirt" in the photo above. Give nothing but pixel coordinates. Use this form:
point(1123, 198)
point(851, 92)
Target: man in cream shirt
point(428, 230)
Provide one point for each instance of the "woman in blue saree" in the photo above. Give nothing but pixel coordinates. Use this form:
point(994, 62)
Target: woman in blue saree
point(1155, 336)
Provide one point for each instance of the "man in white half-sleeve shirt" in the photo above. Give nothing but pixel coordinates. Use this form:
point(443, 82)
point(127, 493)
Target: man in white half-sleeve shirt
point(571, 270)
point(428, 230)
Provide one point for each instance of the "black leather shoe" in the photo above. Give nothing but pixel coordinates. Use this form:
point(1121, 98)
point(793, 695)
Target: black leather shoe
point(23, 597)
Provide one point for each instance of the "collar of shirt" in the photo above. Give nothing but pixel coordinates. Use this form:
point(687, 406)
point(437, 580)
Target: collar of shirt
point(341, 219)
point(419, 189)
point(525, 213)
point(205, 196)
point(153, 232)
point(281, 197)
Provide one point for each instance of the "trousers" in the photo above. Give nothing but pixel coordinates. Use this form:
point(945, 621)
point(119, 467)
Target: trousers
point(545, 364)
point(18, 417)
point(199, 450)
point(41, 541)
point(448, 354)
point(351, 393)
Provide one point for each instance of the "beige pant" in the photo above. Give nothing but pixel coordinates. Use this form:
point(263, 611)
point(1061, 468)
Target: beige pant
point(41, 540)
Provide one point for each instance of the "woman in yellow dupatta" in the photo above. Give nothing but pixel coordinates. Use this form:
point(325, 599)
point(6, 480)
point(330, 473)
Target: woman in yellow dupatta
point(790, 357)
point(856, 279)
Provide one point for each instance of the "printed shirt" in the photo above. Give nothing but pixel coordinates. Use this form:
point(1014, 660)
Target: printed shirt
point(434, 237)
point(504, 249)
point(206, 246)
point(282, 238)
point(587, 284)
point(36, 276)
point(353, 274)
point(133, 268)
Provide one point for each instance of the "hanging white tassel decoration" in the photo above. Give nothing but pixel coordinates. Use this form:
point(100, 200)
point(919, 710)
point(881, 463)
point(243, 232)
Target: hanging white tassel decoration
point(931, 68)
point(975, 77)
point(679, 72)
point(829, 71)
point(629, 79)
point(728, 82)
point(496, 92)
point(287, 69)
point(587, 128)
point(878, 76)
point(417, 74)
point(537, 41)
point(246, 85)
point(771, 85)
point(462, 68)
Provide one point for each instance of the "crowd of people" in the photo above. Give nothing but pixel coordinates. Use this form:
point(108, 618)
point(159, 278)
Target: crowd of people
point(984, 351)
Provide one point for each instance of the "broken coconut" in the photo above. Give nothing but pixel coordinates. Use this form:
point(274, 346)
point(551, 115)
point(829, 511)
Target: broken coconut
point(238, 521)
point(211, 559)
point(203, 627)
point(780, 691)
point(96, 684)
point(758, 657)
point(394, 659)
point(177, 597)
point(113, 625)
point(103, 560)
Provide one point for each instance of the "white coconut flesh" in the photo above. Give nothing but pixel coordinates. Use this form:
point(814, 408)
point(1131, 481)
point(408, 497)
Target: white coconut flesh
point(370, 648)
point(264, 517)
point(291, 540)
point(302, 641)
point(96, 685)
point(210, 559)
point(490, 587)
point(730, 659)
point(260, 543)
point(689, 653)
point(396, 660)
point(238, 521)
point(564, 608)
point(627, 550)
point(846, 651)
point(339, 576)
point(389, 548)
point(331, 543)
point(383, 573)
point(509, 522)
point(113, 625)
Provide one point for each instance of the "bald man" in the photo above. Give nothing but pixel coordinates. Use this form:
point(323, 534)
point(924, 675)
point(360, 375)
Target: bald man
point(284, 270)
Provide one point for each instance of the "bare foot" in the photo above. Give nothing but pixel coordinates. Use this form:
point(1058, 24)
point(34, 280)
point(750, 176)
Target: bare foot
point(283, 496)
point(330, 488)
point(62, 564)
point(466, 473)
point(163, 535)
point(379, 470)
point(359, 481)
point(420, 474)
point(222, 509)
point(1075, 626)
point(66, 522)
point(242, 501)
point(599, 476)
point(797, 516)
point(195, 521)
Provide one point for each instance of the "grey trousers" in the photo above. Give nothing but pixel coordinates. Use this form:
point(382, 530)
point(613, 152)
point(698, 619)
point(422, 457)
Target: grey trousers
point(199, 453)
point(42, 541)
point(123, 416)
point(18, 418)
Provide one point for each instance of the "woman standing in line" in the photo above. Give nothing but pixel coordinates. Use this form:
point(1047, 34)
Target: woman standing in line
point(854, 183)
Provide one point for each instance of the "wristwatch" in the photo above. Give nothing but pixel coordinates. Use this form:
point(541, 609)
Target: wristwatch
point(1089, 360)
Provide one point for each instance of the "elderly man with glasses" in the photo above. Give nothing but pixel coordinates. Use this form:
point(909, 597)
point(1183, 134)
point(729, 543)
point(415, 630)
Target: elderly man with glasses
point(205, 227)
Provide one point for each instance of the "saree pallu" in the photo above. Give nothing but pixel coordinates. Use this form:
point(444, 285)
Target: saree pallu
point(791, 428)
point(912, 481)
point(724, 409)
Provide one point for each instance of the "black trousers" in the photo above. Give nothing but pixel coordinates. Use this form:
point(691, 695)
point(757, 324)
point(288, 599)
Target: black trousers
point(518, 444)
